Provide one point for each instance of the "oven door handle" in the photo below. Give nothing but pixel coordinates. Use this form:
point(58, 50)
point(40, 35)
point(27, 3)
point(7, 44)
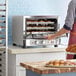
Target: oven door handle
point(25, 36)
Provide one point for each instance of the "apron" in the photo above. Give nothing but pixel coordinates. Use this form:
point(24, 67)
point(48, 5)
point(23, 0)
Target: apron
point(72, 40)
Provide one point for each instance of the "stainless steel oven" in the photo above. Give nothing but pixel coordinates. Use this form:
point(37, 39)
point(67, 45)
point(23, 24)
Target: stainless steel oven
point(29, 31)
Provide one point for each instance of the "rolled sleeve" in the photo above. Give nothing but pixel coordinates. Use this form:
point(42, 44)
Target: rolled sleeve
point(66, 27)
point(69, 21)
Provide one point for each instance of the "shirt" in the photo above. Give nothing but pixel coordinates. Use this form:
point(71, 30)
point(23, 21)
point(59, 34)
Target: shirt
point(71, 15)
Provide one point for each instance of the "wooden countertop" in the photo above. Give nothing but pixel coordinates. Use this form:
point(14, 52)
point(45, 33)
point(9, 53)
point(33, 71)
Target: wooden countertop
point(19, 50)
point(39, 67)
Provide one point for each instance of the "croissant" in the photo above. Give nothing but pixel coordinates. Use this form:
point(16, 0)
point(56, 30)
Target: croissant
point(60, 63)
point(71, 48)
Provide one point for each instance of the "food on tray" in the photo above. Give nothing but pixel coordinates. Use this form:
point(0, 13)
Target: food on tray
point(60, 63)
point(71, 48)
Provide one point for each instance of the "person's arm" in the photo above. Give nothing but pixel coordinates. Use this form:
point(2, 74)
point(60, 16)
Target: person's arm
point(57, 34)
point(69, 21)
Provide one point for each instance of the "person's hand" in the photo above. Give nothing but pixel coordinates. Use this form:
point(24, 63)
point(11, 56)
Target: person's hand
point(50, 37)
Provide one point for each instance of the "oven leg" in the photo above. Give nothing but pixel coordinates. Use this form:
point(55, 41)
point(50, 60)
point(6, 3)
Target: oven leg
point(14, 44)
point(55, 45)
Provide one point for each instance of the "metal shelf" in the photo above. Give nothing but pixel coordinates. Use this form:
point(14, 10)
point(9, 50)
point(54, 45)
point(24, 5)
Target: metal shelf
point(2, 16)
point(2, 38)
point(2, 26)
point(2, 10)
point(3, 35)
point(2, 21)
point(2, 4)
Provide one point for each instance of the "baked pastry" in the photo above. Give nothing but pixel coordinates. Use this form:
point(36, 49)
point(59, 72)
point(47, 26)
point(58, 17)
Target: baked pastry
point(71, 48)
point(56, 63)
point(60, 63)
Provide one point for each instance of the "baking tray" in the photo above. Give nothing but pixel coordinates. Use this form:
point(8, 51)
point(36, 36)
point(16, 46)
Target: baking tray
point(67, 66)
point(71, 53)
point(64, 66)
